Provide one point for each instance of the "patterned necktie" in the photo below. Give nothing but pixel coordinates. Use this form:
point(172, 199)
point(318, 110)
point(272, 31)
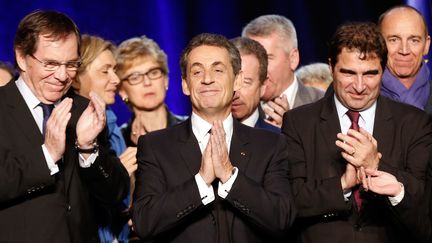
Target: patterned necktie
point(47, 109)
point(354, 117)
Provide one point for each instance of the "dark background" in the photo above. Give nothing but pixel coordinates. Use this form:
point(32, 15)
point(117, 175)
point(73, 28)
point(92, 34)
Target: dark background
point(173, 23)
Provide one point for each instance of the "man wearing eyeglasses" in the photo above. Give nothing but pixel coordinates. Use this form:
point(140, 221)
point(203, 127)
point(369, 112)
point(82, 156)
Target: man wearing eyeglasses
point(54, 162)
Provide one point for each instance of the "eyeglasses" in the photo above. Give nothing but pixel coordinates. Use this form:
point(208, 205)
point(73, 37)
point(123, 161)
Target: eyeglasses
point(52, 65)
point(137, 77)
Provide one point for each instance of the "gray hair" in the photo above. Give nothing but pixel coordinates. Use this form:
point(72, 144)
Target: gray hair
point(315, 72)
point(267, 24)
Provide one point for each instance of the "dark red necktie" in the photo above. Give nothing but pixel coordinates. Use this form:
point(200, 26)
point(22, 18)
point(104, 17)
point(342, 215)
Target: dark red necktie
point(354, 117)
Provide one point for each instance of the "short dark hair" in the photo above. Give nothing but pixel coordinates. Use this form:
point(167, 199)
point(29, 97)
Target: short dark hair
point(40, 22)
point(207, 39)
point(362, 36)
point(248, 46)
point(403, 6)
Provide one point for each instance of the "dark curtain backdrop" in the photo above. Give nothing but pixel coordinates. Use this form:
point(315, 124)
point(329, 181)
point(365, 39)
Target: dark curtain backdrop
point(172, 23)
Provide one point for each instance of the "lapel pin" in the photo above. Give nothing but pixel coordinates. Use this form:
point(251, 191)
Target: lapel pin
point(242, 153)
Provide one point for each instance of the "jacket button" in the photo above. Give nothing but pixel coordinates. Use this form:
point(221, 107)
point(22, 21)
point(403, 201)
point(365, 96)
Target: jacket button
point(68, 207)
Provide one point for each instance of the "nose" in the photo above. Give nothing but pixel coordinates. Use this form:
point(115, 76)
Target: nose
point(146, 81)
point(61, 74)
point(207, 78)
point(359, 84)
point(404, 48)
point(115, 79)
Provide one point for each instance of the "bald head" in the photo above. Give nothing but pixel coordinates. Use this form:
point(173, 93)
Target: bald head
point(405, 32)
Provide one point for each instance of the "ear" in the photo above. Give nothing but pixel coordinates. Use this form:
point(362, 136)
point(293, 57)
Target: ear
point(122, 93)
point(185, 87)
point(427, 45)
point(21, 60)
point(294, 58)
point(166, 83)
point(263, 88)
point(238, 81)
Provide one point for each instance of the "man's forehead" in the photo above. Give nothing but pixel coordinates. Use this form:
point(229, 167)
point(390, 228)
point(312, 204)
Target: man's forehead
point(56, 44)
point(207, 53)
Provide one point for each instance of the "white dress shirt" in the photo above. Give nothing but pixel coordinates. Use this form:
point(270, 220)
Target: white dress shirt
point(252, 119)
point(36, 110)
point(366, 121)
point(200, 129)
point(291, 92)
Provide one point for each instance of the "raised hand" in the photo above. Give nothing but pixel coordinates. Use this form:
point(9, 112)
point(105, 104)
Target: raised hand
point(359, 148)
point(382, 183)
point(206, 170)
point(349, 179)
point(276, 109)
point(91, 122)
point(128, 159)
point(55, 133)
point(221, 163)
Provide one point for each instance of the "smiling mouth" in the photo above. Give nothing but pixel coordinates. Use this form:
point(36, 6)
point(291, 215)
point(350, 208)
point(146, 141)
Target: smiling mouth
point(209, 92)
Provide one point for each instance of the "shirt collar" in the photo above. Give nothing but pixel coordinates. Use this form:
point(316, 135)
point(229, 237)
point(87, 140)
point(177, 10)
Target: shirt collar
point(31, 100)
point(252, 119)
point(201, 127)
point(291, 92)
point(367, 117)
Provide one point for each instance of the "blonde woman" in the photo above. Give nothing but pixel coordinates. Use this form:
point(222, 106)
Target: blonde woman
point(97, 74)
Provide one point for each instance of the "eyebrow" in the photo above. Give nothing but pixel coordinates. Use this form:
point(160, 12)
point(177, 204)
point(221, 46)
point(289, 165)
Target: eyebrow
point(368, 72)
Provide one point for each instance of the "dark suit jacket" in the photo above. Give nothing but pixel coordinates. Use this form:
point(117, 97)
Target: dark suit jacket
point(168, 207)
point(306, 95)
point(38, 207)
point(404, 136)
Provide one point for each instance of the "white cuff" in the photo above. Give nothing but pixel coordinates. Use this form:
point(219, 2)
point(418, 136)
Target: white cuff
point(52, 166)
point(206, 192)
point(224, 189)
point(398, 198)
point(85, 163)
point(347, 195)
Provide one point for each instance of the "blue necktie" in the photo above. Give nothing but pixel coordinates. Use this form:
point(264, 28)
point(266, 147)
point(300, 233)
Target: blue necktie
point(47, 109)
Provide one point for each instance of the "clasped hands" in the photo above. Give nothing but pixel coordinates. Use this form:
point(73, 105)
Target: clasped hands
point(89, 125)
point(360, 150)
point(215, 162)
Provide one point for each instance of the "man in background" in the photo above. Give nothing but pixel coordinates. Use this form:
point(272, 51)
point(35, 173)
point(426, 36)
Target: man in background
point(283, 91)
point(406, 78)
point(246, 102)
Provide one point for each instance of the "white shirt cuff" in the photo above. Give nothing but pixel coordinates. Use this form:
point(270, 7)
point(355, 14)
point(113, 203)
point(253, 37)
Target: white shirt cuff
point(224, 188)
point(398, 198)
point(206, 192)
point(52, 166)
point(85, 163)
point(347, 195)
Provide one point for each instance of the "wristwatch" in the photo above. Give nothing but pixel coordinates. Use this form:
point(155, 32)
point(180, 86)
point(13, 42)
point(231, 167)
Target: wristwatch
point(92, 150)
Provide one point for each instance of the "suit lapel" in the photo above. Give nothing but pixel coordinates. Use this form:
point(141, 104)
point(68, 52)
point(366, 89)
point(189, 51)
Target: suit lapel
point(329, 127)
point(21, 114)
point(69, 165)
point(383, 127)
point(239, 155)
point(189, 148)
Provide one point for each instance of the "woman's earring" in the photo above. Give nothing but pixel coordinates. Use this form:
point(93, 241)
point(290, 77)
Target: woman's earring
point(125, 100)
